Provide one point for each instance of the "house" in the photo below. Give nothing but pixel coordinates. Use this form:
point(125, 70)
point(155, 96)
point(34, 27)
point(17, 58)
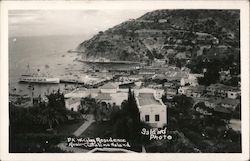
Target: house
point(77, 93)
point(176, 75)
point(223, 91)
point(119, 97)
point(151, 108)
point(104, 97)
point(168, 84)
point(191, 80)
point(82, 92)
point(225, 75)
point(72, 103)
point(109, 88)
point(93, 92)
point(233, 93)
point(212, 102)
point(196, 91)
point(159, 76)
point(183, 90)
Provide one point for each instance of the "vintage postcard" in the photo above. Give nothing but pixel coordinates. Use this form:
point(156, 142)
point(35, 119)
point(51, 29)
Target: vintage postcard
point(124, 80)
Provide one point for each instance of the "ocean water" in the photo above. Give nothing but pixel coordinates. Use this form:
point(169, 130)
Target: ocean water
point(46, 53)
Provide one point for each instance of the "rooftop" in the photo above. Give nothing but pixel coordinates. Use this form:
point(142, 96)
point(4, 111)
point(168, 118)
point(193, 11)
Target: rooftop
point(109, 86)
point(71, 101)
point(176, 75)
point(103, 96)
point(199, 88)
point(147, 99)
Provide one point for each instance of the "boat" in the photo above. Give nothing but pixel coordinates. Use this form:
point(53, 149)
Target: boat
point(38, 78)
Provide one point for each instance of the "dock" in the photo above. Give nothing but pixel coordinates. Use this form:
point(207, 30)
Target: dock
point(108, 62)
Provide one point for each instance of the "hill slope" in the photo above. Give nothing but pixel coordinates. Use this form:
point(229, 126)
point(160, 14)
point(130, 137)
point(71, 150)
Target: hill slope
point(166, 34)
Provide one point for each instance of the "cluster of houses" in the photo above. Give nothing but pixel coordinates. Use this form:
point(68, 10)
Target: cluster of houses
point(171, 81)
point(152, 109)
point(218, 97)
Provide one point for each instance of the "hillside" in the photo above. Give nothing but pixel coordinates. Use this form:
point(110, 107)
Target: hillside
point(169, 35)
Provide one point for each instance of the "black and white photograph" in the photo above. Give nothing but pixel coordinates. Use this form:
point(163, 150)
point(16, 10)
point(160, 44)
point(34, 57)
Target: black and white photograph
point(145, 80)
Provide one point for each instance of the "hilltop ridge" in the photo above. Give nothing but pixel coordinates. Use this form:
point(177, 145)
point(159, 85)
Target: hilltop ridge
point(169, 35)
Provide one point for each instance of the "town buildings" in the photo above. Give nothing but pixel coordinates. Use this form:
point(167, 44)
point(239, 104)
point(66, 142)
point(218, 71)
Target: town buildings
point(151, 84)
point(223, 91)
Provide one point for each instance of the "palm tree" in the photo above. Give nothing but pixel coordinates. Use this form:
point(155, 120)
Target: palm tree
point(50, 116)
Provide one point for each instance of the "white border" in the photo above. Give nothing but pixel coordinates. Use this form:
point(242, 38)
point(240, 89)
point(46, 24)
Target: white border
point(117, 5)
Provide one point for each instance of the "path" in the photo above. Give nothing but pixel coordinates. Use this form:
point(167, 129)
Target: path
point(84, 126)
point(63, 146)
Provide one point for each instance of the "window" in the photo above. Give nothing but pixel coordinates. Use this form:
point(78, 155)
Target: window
point(147, 118)
point(157, 117)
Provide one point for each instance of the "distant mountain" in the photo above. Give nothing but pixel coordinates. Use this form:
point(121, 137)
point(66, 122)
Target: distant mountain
point(165, 34)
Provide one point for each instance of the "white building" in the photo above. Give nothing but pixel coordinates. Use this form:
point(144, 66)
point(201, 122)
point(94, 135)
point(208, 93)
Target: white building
point(77, 93)
point(191, 80)
point(109, 88)
point(233, 94)
point(152, 110)
point(73, 103)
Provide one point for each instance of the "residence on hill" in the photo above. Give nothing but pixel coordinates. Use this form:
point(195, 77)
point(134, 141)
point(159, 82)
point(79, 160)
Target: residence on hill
point(152, 110)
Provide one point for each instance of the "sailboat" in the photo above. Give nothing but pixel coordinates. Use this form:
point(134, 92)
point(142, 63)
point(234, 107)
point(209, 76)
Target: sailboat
point(37, 77)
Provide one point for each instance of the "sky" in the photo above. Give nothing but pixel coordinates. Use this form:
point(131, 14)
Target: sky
point(66, 22)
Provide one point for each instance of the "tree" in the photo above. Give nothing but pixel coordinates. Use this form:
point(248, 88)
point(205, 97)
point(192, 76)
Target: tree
point(131, 107)
point(50, 116)
point(183, 103)
point(54, 112)
point(212, 75)
point(127, 120)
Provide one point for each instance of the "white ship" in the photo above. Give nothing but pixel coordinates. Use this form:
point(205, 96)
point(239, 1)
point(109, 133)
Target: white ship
point(38, 78)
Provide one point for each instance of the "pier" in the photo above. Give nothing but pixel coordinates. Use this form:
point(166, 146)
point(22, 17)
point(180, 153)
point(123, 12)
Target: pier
point(108, 62)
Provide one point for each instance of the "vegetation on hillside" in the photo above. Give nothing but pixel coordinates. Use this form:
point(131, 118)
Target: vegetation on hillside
point(172, 35)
